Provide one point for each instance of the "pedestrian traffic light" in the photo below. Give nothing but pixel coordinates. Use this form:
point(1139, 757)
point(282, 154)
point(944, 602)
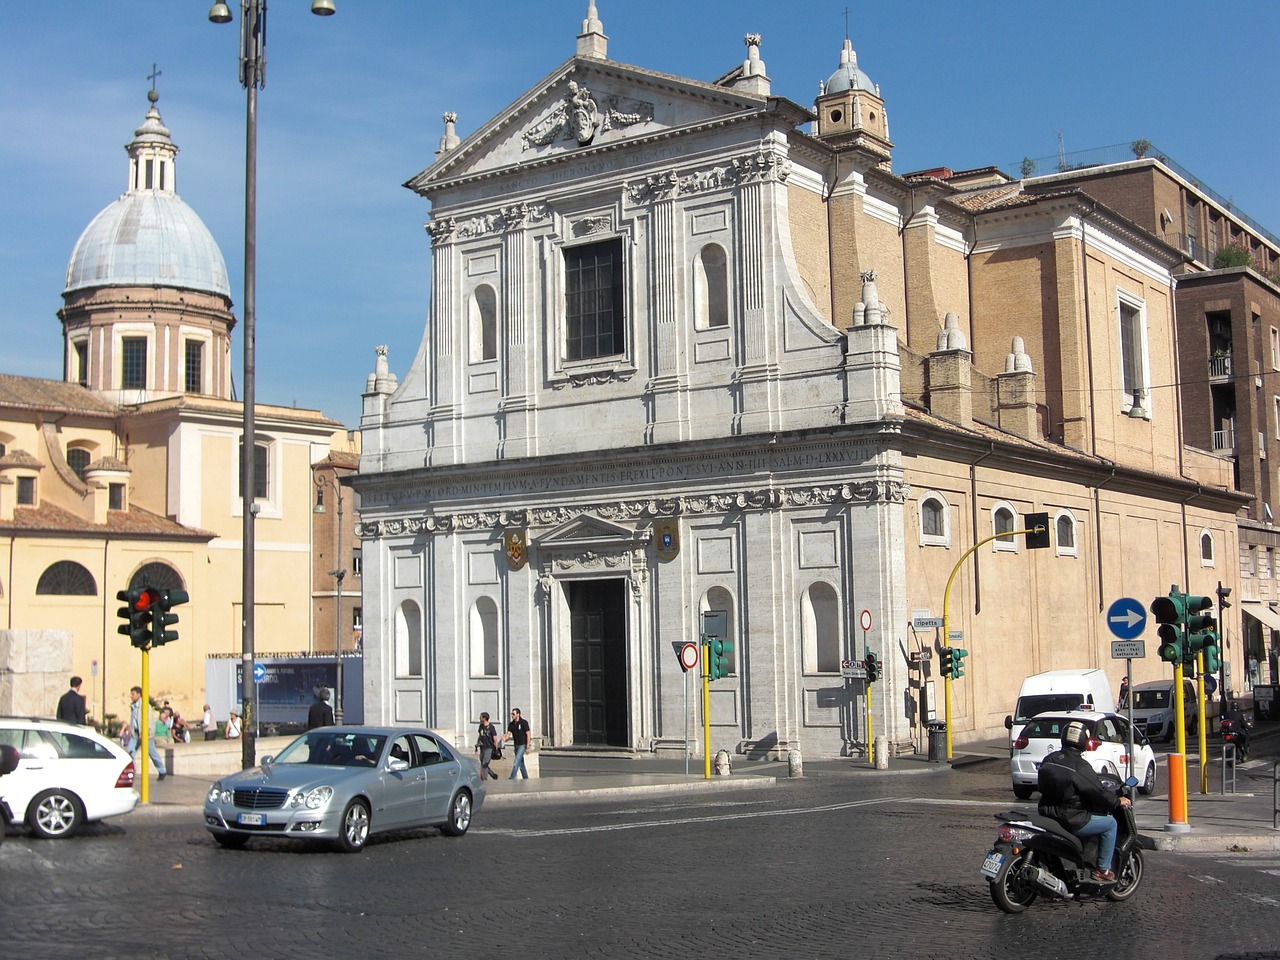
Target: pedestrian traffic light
point(1171, 613)
point(718, 657)
point(945, 662)
point(137, 611)
point(957, 663)
point(162, 619)
point(873, 667)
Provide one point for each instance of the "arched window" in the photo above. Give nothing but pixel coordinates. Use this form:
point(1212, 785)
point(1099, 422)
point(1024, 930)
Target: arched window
point(408, 640)
point(1206, 549)
point(933, 520)
point(718, 598)
point(261, 471)
point(1065, 540)
point(820, 628)
point(66, 578)
point(159, 575)
point(78, 460)
point(711, 287)
point(484, 638)
point(484, 324)
point(1003, 522)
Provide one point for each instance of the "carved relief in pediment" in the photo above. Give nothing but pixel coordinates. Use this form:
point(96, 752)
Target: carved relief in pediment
point(580, 116)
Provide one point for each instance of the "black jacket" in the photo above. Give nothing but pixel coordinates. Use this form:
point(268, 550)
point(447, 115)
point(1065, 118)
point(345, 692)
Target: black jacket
point(71, 707)
point(320, 715)
point(1070, 790)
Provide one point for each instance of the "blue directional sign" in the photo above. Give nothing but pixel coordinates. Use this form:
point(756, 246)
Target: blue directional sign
point(259, 672)
point(1127, 618)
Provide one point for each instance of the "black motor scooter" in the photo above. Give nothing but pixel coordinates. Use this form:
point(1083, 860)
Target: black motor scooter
point(1034, 855)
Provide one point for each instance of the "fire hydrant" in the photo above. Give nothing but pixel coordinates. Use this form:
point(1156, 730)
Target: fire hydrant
point(723, 764)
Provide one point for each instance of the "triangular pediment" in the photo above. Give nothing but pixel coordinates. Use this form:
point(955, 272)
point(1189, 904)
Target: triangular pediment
point(585, 105)
point(585, 531)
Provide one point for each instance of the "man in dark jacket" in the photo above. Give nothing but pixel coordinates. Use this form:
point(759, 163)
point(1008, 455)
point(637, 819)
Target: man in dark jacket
point(1072, 794)
point(320, 714)
point(71, 707)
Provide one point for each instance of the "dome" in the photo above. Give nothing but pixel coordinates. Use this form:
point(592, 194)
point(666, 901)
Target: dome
point(148, 239)
point(848, 76)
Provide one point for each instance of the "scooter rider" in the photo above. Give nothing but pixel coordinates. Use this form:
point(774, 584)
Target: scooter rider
point(1072, 794)
point(1235, 716)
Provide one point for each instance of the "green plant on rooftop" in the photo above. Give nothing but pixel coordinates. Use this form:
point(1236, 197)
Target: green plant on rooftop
point(1232, 255)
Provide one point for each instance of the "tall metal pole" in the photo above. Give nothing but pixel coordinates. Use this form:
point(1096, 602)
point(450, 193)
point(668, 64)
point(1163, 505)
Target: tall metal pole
point(253, 39)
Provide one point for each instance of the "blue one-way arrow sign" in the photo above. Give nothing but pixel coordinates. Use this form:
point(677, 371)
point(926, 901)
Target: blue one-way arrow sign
point(1127, 618)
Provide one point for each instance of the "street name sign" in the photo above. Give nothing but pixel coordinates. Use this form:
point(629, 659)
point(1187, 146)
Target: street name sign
point(853, 669)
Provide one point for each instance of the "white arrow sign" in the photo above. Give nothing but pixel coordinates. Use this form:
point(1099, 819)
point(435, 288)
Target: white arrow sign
point(1129, 618)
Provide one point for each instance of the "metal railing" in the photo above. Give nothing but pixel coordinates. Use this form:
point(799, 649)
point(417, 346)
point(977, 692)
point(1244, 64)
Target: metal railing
point(1228, 762)
point(1224, 440)
point(1220, 366)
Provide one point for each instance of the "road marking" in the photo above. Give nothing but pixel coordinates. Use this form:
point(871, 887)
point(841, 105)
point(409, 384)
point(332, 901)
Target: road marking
point(679, 821)
point(1265, 901)
point(1206, 879)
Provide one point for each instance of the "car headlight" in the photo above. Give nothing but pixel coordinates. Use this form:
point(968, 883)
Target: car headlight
point(312, 799)
point(1157, 718)
point(215, 792)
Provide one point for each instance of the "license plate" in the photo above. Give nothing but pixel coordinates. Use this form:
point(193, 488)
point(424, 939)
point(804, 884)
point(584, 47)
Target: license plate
point(991, 865)
point(251, 819)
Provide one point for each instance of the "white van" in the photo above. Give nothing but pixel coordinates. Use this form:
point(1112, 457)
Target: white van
point(1153, 708)
point(1060, 691)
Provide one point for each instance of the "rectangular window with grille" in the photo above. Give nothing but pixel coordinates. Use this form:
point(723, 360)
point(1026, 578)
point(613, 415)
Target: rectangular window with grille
point(133, 364)
point(194, 372)
point(27, 491)
point(115, 496)
point(593, 301)
point(1133, 352)
point(82, 362)
point(260, 472)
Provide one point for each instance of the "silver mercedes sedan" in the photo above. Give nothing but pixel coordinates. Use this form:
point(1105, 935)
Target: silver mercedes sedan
point(346, 783)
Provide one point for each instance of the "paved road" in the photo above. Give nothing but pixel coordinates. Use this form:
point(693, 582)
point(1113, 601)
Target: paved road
point(830, 866)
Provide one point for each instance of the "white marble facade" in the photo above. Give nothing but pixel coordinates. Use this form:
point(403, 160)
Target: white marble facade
point(734, 452)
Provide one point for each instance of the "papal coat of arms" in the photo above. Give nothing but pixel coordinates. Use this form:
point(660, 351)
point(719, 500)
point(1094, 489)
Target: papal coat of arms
point(666, 539)
point(516, 549)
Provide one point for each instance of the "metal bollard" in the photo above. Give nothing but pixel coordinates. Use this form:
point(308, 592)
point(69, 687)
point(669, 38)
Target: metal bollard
point(882, 753)
point(795, 763)
point(723, 764)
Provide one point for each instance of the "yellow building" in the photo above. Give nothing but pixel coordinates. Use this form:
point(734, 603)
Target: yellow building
point(128, 472)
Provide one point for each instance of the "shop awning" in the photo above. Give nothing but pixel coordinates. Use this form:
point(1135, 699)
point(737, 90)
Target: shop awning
point(1262, 612)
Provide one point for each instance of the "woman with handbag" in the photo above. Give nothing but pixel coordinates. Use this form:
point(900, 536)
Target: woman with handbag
point(489, 747)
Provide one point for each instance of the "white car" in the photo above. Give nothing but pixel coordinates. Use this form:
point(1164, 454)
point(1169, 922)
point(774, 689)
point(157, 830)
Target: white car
point(66, 776)
point(1107, 750)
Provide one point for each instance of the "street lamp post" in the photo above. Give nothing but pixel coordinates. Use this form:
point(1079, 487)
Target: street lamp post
point(339, 574)
point(253, 69)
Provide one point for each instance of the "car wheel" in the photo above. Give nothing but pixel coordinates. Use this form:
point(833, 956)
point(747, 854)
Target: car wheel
point(354, 833)
point(231, 841)
point(55, 814)
point(1148, 786)
point(459, 814)
point(1023, 791)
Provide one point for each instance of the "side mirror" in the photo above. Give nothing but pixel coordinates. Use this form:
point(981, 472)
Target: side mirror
point(396, 765)
point(1144, 742)
point(1008, 723)
point(268, 760)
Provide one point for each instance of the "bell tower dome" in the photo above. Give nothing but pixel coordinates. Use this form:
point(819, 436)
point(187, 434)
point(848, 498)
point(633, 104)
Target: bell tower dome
point(851, 112)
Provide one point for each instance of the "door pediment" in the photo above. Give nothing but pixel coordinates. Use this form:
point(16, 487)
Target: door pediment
point(587, 532)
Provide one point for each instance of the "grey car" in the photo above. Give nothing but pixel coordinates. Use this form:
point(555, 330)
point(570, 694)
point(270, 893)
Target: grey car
point(346, 783)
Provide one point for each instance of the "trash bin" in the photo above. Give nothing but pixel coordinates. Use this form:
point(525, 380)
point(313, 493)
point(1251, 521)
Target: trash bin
point(937, 742)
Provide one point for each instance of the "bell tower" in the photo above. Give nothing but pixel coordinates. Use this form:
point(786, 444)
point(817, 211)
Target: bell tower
point(851, 112)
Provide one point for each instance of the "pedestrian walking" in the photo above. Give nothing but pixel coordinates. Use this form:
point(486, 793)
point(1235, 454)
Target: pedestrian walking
point(135, 733)
point(520, 736)
point(208, 724)
point(71, 708)
point(1124, 691)
point(490, 747)
point(320, 714)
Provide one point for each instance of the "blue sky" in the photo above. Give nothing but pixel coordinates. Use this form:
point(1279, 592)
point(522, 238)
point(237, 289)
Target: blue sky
point(353, 103)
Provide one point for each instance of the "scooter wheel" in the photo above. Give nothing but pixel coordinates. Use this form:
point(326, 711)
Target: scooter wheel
point(1128, 879)
point(1009, 891)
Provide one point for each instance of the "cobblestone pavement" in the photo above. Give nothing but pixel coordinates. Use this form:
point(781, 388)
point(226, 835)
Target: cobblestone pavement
point(827, 866)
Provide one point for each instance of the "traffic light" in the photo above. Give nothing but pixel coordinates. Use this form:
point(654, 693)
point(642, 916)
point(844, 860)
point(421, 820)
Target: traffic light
point(162, 619)
point(1201, 627)
point(139, 601)
point(1171, 613)
point(945, 662)
point(957, 664)
point(1037, 526)
point(718, 657)
point(873, 667)
point(1213, 656)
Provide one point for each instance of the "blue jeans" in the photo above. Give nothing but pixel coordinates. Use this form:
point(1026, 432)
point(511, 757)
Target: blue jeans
point(152, 752)
point(518, 765)
point(1105, 826)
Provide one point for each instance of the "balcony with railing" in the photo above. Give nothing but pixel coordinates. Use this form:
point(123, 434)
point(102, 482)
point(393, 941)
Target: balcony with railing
point(1224, 440)
point(1219, 366)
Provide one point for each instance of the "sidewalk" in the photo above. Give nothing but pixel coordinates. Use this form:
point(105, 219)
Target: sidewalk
point(1242, 820)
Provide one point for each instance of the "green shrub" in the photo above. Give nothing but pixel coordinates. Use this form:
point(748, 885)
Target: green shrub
point(1232, 255)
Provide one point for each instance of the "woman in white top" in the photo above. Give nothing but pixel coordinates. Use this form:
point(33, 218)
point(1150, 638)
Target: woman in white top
point(233, 726)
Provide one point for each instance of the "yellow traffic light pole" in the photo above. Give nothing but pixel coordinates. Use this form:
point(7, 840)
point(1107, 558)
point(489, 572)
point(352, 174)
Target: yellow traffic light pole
point(144, 722)
point(706, 709)
point(946, 612)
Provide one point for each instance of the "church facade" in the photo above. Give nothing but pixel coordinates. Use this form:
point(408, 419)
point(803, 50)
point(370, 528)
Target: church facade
point(698, 359)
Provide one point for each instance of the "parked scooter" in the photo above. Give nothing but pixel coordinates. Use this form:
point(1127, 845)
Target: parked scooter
point(8, 764)
point(1036, 856)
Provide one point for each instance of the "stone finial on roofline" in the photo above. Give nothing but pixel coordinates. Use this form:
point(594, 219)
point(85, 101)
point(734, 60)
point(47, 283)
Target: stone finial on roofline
point(592, 42)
